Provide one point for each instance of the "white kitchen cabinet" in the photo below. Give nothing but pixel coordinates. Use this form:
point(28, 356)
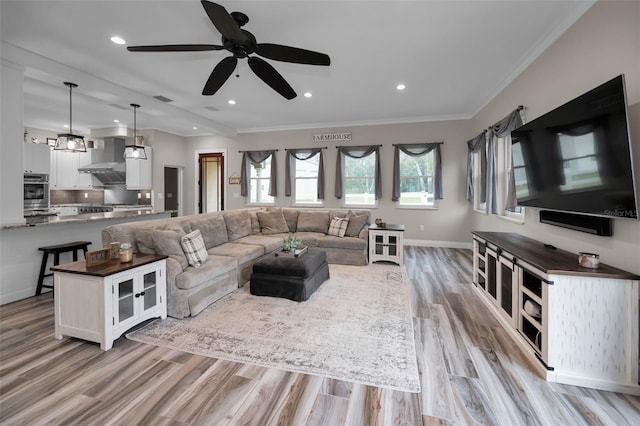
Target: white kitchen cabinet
point(386, 243)
point(35, 158)
point(64, 171)
point(101, 303)
point(577, 325)
point(139, 174)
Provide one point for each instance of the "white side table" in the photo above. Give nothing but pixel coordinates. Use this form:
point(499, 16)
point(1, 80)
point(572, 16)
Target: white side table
point(102, 302)
point(386, 243)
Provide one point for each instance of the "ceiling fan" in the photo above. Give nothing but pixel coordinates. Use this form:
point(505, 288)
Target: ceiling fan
point(241, 43)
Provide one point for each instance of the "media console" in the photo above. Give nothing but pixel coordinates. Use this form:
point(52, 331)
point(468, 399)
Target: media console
point(578, 325)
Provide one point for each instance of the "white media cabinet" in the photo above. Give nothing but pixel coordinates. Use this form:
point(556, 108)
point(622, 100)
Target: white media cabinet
point(586, 333)
point(100, 303)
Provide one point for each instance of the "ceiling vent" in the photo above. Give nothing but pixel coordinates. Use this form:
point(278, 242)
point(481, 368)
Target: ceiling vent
point(163, 99)
point(211, 108)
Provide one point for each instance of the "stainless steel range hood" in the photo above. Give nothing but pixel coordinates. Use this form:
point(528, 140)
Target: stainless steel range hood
point(108, 164)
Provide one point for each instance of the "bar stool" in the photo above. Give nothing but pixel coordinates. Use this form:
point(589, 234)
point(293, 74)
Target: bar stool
point(56, 250)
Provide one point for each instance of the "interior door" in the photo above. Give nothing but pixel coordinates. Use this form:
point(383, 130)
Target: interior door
point(211, 182)
point(171, 189)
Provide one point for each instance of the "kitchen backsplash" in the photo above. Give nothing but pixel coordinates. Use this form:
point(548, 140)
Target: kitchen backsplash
point(69, 196)
point(115, 195)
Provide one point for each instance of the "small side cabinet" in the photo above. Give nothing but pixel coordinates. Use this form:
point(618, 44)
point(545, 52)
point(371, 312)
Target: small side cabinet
point(386, 243)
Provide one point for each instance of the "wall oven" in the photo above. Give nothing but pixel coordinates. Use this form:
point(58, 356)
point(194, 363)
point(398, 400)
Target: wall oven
point(36, 191)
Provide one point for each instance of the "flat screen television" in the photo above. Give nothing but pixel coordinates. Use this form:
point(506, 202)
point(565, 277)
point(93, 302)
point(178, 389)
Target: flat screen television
point(577, 158)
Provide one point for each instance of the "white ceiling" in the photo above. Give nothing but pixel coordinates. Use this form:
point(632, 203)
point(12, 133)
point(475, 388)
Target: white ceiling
point(454, 56)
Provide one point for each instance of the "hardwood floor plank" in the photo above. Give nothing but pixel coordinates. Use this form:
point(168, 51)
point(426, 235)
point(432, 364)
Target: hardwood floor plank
point(456, 357)
point(297, 402)
point(472, 404)
point(400, 408)
point(328, 411)
point(336, 387)
point(365, 406)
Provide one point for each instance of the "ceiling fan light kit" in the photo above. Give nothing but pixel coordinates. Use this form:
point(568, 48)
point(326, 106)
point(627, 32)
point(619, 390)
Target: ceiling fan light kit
point(68, 141)
point(241, 44)
point(135, 151)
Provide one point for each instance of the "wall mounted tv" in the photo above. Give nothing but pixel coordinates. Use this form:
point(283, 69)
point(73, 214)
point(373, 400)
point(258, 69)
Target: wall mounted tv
point(577, 158)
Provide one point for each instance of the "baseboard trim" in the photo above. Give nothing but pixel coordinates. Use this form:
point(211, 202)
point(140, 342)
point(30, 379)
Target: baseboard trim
point(433, 243)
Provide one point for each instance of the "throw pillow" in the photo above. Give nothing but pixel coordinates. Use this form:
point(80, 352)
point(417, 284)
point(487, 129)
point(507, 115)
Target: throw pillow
point(255, 223)
point(291, 216)
point(338, 226)
point(167, 242)
point(144, 240)
point(356, 223)
point(272, 222)
point(194, 249)
point(238, 224)
point(313, 222)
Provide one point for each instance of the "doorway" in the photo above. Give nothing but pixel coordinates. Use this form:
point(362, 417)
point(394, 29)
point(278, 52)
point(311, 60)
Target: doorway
point(210, 182)
point(172, 190)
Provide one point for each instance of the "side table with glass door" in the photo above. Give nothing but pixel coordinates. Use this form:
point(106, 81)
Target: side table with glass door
point(386, 243)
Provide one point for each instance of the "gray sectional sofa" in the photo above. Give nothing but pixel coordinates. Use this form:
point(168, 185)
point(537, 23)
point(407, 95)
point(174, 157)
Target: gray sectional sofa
point(234, 241)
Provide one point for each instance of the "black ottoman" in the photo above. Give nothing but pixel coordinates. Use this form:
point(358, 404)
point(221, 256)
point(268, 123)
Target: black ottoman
point(290, 277)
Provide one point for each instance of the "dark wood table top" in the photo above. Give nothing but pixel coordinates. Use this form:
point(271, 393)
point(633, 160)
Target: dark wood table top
point(550, 260)
point(109, 268)
point(387, 227)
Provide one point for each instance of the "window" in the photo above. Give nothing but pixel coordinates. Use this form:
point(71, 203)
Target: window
point(510, 161)
point(417, 174)
point(479, 200)
point(306, 180)
point(259, 182)
point(360, 180)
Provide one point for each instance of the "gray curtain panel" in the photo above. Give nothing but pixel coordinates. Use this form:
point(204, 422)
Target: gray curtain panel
point(357, 152)
point(303, 154)
point(245, 172)
point(477, 144)
point(502, 129)
point(417, 150)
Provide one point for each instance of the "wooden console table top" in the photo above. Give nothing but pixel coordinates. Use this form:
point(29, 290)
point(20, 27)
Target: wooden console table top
point(550, 260)
point(109, 268)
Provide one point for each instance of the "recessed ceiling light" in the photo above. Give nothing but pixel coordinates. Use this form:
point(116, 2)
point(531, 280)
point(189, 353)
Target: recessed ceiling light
point(117, 40)
point(307, 94)
point(401, 86)
point(66, 126)
point(231, 102)
point(194, 128)
point(116, 121)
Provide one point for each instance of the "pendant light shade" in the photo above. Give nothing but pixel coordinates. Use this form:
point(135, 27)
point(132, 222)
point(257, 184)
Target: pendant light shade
point(68, 141)
point(135, 151)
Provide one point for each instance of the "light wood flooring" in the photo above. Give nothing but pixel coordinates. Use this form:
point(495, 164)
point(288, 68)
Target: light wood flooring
point(471, 373)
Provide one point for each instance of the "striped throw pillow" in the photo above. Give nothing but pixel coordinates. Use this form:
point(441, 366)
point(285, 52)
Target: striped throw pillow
point(194, 249)
point(338, 226)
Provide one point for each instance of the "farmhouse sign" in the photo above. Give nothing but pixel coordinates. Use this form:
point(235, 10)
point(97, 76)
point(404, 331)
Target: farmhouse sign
point(331, 137)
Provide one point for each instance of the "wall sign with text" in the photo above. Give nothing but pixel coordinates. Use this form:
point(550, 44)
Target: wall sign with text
point(331, 137)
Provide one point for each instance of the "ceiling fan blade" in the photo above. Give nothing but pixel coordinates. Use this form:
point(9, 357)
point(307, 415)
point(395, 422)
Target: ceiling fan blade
point(223, 21)
point(175, 48)
point(269, 75)
point(278, 52)
point(219, 75)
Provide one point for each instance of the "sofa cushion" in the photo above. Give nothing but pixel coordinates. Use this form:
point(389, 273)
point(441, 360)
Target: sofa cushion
point(243, 253)
point(291, 217)
point(338, 226)
point(144, 240)
point(313, 222)
point(309, 238)
point(167, 242)
point(194, 249)
point(215, 266)
point(270, 243)
point(272, 222)
point(255, 222)
point(351, 243)
point(356, 223)
point(213, 230)
point(238, 224)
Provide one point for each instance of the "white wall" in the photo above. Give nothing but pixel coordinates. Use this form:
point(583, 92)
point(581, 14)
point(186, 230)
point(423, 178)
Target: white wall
point(448, 223)
point(605, 42)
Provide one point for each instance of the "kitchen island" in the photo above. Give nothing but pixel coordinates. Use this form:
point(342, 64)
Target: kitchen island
point(19, 256)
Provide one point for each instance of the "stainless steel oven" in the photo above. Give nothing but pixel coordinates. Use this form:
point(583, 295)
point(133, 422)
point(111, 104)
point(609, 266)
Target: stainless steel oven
point(36, 191)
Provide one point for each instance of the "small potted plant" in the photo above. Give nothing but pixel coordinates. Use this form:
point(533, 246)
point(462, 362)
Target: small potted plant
point(291, 243)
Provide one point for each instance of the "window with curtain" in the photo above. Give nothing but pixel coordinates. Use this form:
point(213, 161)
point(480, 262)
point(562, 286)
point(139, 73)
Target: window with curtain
point(507, 166)
point(358, 175)
point(417, 175)
point(258, 177)
point(479, 184)
point(305, 170)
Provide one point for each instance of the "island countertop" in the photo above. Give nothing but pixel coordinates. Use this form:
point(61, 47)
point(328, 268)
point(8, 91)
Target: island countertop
point(85, 217)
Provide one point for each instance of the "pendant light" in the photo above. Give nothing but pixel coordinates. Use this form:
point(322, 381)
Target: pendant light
point(68, 141)
point(135, 151)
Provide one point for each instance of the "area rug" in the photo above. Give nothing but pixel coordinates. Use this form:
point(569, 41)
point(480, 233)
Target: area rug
point(356, 327)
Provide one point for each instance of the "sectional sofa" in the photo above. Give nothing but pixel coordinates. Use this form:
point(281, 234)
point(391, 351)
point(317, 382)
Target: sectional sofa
point(234, 241)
